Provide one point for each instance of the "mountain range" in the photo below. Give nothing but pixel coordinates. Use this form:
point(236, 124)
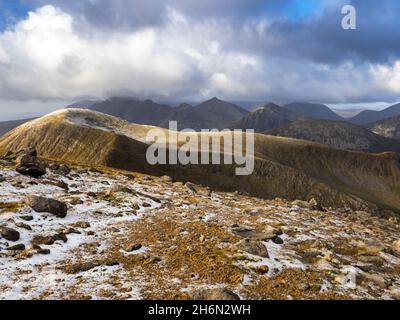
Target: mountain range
point(368, 116)
point(313, 110)
point(309, 121)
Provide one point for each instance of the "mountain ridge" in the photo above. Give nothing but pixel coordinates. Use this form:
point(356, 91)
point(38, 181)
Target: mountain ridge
point(314, 110)
point(294, 169)
point(337, 134)
point(369, 116)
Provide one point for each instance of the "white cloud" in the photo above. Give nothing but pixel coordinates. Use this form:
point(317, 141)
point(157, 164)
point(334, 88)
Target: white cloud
point(51, 56)
point(52, 59)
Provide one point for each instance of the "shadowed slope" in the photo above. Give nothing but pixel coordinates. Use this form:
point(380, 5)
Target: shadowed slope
point(337, 134)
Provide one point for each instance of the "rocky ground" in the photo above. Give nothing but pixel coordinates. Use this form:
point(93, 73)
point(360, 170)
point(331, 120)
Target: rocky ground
point(78, 233)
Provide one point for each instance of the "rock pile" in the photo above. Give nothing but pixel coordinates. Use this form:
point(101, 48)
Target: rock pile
point(28, 164)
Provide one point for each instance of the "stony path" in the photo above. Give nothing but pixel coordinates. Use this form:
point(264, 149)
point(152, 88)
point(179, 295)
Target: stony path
point(144, 237)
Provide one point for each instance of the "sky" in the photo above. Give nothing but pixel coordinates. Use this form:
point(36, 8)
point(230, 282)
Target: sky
point(53, 52)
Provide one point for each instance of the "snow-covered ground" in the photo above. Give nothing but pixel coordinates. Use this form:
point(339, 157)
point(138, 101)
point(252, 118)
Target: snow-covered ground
point(147, 237)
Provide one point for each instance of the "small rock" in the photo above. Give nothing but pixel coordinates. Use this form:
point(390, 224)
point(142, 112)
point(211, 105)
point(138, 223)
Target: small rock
point(86, 266)
point(254, 247)
point(262, 269)
point(2, 179)
point(214, 294)
point(58, 183)
point(17, 247)
point(191, 187)
point(94, 170)
point(133, 247)
point(155, 260)
point(277, 240)
point(81, 225)
point(71, 231)
point(26, 218)
point(24, 226)
point(9, 234)
point(43, 251)
point(49, 240)
point(75, 201)
point(63, 169)
point(41, 204)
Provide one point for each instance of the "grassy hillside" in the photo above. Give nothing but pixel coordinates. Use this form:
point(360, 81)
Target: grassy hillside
point(286, 168)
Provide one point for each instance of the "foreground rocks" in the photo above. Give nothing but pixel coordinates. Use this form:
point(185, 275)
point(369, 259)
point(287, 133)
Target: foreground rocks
point(9, 234)
point(254, 247)
point(49, 240)
point(153, 238)
point(41, 204)
point(28, 164)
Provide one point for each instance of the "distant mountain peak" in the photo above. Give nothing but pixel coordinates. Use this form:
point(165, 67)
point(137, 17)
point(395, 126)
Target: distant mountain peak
point(314, 110)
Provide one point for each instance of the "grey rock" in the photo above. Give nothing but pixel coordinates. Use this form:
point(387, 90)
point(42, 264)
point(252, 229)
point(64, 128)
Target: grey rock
point(9, 234)
point(41, 204)
point(26, 218)
point(49, 240)
point(254, 247)
point(133, 247)
point(17, 247)
point(30, 166)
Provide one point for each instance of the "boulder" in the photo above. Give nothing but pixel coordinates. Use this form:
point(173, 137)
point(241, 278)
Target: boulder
point(253, 247)
point(30, 166)
point(57, 183)
point(17, 247)
point(214, 294)
point(49, 240)
point(26, 218)
point(9, 234)
point(133, 247)
point(41, 204)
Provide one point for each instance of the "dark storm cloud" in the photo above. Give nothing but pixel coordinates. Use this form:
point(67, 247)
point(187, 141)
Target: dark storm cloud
point(323, 40)
point(296, 30)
